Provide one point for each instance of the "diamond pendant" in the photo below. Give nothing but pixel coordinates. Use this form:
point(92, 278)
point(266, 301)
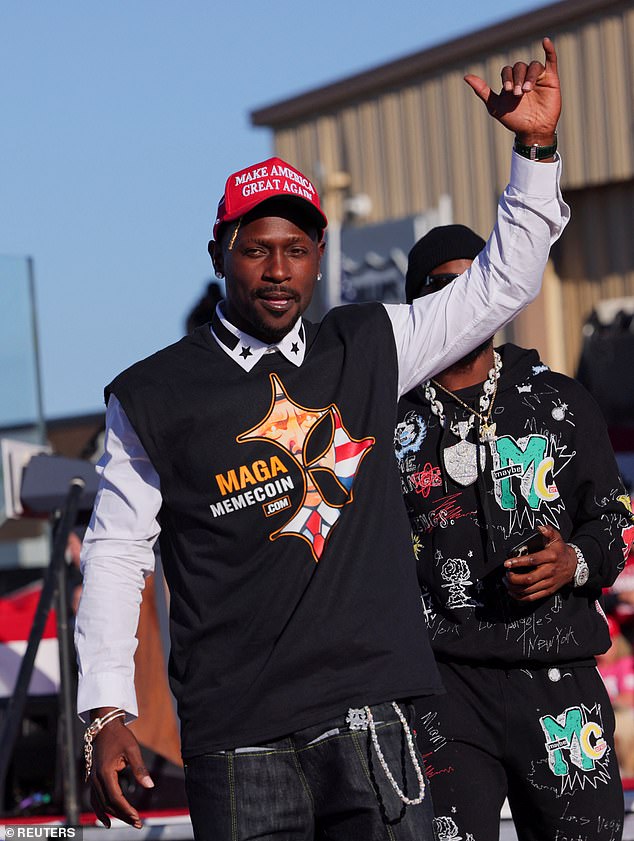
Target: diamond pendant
point(460, 463)
point(487, 431)
point(460, 459)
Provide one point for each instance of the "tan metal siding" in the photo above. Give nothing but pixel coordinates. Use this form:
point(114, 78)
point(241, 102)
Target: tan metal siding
point(595, 257)
point(437, 130)
point(411, 143)
point(435, 139)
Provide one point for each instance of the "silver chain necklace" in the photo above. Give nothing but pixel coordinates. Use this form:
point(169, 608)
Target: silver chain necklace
point(460, 460)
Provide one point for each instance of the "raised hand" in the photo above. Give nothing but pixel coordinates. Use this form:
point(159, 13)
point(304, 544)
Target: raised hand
point(529, 102)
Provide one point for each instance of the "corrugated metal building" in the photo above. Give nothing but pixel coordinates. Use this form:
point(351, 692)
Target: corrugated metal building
point(409, 131)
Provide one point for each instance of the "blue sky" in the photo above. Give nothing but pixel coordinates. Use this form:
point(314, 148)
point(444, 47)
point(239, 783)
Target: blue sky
point(121, 121)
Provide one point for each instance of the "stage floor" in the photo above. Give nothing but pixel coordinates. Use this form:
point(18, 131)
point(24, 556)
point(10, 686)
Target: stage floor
point(175, 825)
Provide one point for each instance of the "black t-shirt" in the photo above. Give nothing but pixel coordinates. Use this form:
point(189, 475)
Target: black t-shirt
point(284, 538)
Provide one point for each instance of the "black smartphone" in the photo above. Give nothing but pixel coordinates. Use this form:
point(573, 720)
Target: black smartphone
point(529, 545)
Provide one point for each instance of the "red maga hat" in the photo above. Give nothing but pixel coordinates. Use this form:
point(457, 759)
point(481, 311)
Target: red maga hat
point(270, 179)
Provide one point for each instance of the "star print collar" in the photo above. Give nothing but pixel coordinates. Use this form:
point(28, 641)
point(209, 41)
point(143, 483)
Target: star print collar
point(247, 351)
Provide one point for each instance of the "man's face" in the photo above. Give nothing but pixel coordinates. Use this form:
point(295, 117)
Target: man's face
point(270, 272)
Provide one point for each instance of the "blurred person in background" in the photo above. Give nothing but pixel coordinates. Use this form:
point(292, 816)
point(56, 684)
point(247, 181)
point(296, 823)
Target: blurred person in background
point(616, 667)
point(500, 457)
point(203, 310)
point(619, 597)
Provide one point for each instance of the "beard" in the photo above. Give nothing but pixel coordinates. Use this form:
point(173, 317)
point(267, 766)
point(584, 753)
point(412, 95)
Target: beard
point(268, 331)
point(267, 327)
point(269, 334)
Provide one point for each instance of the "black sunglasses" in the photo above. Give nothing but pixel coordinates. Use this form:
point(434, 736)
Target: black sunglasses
point(434, 282)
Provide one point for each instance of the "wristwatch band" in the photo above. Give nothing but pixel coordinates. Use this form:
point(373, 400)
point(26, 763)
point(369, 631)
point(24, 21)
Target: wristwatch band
point(535, 152)
point(582, 571)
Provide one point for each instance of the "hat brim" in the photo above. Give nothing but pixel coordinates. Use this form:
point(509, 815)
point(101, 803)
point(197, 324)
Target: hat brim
point(311, 212)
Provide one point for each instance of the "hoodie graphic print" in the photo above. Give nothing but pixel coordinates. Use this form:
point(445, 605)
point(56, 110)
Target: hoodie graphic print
point(550, 463)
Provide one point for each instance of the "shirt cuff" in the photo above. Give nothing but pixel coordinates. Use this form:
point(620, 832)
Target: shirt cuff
point(106, 690)
point(534, 178)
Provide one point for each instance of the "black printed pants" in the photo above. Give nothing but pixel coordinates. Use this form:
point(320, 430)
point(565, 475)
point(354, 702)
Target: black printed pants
point(543, 738)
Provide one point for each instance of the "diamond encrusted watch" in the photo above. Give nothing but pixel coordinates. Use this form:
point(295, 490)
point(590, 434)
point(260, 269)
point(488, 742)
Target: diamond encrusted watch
point(582, 571)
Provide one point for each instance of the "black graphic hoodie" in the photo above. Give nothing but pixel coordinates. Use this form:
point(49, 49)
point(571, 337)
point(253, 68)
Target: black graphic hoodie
point(551, 463)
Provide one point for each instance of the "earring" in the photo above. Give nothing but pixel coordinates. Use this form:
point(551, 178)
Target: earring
point(319, 276)
point(218, 274)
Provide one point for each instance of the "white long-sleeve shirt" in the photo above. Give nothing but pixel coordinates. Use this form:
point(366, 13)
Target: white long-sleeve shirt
point(430, 335)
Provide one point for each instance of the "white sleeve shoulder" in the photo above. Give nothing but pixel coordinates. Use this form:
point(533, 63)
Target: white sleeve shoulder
point(439, 329)
point(117, 554)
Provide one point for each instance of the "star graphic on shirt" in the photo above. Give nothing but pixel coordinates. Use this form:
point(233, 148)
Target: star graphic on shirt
point(246, 351)
point(325, 452)
point(295, 347)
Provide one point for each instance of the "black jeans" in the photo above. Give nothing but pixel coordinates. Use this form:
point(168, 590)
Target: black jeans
point(323, 782)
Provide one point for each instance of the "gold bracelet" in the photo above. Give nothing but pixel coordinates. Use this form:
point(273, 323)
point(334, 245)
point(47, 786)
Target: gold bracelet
point(92, 730)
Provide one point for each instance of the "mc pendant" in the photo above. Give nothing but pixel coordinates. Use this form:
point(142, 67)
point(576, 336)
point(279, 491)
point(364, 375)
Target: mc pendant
point(460, 462)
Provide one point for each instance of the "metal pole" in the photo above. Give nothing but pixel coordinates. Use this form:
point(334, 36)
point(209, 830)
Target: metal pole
point(67, 693)
point(36, 353)
point(333, 263)
point(15, 708)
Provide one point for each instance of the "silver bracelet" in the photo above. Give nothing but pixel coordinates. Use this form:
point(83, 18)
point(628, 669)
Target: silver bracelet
point(582, 570)
point(412, 752)
point(92, 730)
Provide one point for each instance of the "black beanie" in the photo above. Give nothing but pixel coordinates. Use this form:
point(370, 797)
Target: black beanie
point(438, 246)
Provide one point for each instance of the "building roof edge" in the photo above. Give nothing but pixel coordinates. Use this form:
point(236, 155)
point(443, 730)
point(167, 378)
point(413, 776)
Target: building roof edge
point(532, 24)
